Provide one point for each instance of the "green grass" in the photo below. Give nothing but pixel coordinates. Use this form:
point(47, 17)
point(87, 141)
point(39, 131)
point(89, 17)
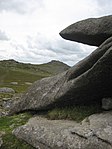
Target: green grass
point(11, 142)
point(13, 71)
point(7, 124)
point(6, 95)
point(77, 113)
point(21, 77)
point(20, 88)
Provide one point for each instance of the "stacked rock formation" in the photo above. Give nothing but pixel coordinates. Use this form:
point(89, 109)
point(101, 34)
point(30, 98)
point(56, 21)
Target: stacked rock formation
point(88, 82)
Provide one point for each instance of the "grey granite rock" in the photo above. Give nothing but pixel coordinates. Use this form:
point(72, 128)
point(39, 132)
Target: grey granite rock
point(6, 90)
point(92, 31)
point(7, 103)
point(95, 132)
point(107, 103)
point(87, 82)
point(1, 141)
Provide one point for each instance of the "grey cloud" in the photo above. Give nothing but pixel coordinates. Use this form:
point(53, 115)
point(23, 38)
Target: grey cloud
point(104, 7)
point(20, 6)
point(41, 49)
point(59, 49)
point(3, 36)
point(104, 2)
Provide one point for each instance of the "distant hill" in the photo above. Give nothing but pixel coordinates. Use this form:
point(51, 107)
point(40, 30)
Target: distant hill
point(19, 75)
point(54, 67)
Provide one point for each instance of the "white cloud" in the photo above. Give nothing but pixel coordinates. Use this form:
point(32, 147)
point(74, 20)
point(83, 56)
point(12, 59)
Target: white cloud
point(33, 27)
point(3, 36)
point(39, 49)
point(20, 6)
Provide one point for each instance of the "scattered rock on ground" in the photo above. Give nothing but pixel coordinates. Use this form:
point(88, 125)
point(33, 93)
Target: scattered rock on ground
point(3, 113)
point(107, 103)
point(7, 103)
point(14, 83)
point(28, 83)
point(14, 100)
point(6, 90)
point(92, 31)
point(95, 132)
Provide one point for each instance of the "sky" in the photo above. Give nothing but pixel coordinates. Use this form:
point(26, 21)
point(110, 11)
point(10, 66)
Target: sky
point(29, 29)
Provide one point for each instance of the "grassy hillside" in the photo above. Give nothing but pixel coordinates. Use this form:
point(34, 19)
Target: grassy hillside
point(19, 75)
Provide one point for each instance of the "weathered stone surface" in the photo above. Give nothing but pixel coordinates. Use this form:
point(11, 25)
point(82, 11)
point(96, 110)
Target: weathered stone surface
point(1, 141)
point(7, 103)
point(94, 132)
point(6, 90)
point(3, 102)
point(92, 31)
point(87, 82)
point(107, 103)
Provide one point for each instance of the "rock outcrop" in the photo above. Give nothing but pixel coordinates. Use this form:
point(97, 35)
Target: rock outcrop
point(88, 81)
point(95, 132)
point(92, 31)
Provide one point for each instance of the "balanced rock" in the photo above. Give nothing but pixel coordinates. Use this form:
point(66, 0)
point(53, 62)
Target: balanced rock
point(95, 132)
point(87, 82)
point(92, 31)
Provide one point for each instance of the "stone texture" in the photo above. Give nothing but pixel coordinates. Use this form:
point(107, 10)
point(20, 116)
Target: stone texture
point(7, 103)
point(92, 31)
point(6, 90)
point(87, 82)
point(95, 132)
point(1, 141)
point(107, 103)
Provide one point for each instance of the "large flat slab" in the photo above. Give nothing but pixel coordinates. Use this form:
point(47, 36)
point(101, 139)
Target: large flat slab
point(94, 132)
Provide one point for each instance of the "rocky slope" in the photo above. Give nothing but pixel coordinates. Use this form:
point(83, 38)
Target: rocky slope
point(86, 83)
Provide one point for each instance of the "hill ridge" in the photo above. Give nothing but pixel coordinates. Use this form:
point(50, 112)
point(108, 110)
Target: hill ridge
point(14, 71)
